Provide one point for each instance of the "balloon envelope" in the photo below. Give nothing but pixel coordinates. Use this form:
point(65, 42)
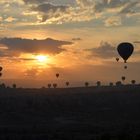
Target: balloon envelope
point(125, 50)
point(125, 67)
point(123, 78)
point(57, 75)
point(0, 68)
point(117, 59)
point(67, 83)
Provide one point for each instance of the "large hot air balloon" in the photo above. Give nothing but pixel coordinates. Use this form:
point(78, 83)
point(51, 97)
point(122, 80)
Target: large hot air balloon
point(125, 50)
point(57, 75)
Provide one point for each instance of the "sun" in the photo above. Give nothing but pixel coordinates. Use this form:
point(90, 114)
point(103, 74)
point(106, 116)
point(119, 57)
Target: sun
point(41, 58)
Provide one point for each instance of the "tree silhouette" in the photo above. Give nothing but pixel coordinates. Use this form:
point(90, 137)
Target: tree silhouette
point(86, 84)
point(49, 85)
point(111, 84)
point(54, 85)
point(8, 87)
point(98, 83)
point(2, 85)
point(133, 82)
point(118, 83)
point(67, 84)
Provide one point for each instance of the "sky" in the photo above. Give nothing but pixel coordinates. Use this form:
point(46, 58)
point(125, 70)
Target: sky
point(76, 38)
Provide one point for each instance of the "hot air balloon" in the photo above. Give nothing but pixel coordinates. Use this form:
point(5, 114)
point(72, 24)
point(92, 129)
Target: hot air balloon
point(57, 75)
point(123, 78)
point(133, 82)
point(125, 67)
point(117, 59)
point(125, 50)
point(1, 68)
point(86, 84)
point(0, 74)
point(67, 83)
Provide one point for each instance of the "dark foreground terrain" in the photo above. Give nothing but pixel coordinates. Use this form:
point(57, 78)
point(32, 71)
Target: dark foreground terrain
point(93, 113)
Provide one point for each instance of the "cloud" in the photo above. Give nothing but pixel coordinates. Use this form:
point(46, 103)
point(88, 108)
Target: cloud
point(105, 51)
point(84, 10)
point(52, 13)
point(16, 46)
point(58, 14)
point(76, 39)
point(42, 12)
point(10, 19)
point(103, 5)
point(130, 8)
point(49, 10)
point(113, 21)
point(137, 42)
point(60, 2)
point(1, 18)
point(35, 1)
point(11, 1)
point(84, 3)
point(47, 7)
point(33, 72)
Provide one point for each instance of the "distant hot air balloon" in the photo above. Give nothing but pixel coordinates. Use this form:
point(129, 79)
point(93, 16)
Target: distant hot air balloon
point(0, 74)
point(67, 83)
point(117, 59)
point(86, 84)
point(57, 75)
point(125, 67)
point(133, 82)
point(123, 78)
point(1, 68)
point(125, 50)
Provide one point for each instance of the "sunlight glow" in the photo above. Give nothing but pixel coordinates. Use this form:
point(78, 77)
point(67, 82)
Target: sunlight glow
point(41, 58)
